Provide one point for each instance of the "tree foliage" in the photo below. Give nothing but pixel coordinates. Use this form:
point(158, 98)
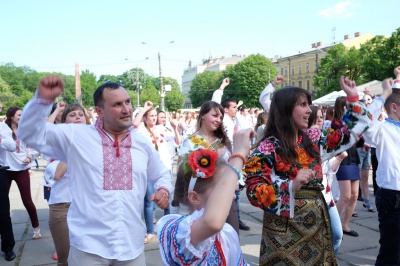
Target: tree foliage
point(174, 99)
point(375, 60)
point(203, 86)
point(248, 78)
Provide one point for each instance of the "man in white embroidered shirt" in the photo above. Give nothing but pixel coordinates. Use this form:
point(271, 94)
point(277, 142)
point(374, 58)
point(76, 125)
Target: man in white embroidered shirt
point(109, 166)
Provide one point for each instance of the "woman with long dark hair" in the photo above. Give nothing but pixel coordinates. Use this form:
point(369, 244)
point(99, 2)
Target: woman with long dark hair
point(284, 177)
point(20, 162)
point(348, 175)
point(210, 134)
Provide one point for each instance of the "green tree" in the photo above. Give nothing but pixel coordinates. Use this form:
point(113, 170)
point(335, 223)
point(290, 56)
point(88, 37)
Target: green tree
point(332, 66)
point(149, 94)
point(203, 86)
point(4, 87)
point(88, 86)
point(248, 78)
point(174, 99)
point(379, 56)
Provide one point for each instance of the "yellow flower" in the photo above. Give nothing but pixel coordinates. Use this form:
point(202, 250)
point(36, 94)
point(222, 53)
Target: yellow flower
point(196, 140)
point(205, 144)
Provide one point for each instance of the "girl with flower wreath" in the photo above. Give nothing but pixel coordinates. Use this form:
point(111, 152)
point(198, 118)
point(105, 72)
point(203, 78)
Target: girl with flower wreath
point(284, 177)
point(146, 123)
point(205, 182)
point(210, 134)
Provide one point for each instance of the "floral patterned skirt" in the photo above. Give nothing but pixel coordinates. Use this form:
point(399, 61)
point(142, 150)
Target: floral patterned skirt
point(304, 240)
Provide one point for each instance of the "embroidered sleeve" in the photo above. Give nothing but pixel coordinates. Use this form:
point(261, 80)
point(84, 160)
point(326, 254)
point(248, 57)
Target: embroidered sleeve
point(341, 136)
point(267, 186)
point(174, 236)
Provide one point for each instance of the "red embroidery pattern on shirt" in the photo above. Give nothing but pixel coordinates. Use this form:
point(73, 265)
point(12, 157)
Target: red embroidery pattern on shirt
point(117, 170)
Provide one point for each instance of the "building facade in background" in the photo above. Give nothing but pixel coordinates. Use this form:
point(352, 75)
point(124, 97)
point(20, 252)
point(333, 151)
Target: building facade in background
point(299, 69)
point(210, 64)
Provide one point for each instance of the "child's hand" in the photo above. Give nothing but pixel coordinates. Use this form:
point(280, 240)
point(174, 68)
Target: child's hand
point(242, 140)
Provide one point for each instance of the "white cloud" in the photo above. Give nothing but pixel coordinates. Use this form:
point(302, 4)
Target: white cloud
point(341, 10)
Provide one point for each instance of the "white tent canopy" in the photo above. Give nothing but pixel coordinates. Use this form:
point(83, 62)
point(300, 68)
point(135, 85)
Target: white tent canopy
point(329, 99)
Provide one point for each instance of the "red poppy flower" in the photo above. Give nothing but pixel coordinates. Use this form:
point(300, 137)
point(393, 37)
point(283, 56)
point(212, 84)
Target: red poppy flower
point(333, 139)
point(203, 162)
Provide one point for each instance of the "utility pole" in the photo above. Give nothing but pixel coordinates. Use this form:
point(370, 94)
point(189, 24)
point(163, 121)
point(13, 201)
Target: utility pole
point(161, 83)
point(137, 86)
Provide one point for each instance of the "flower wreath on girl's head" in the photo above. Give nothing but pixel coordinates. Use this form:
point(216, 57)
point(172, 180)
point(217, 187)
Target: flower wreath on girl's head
point(201, 163)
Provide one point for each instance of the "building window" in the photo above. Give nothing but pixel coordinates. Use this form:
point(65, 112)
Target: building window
point(292, 70)
point(299, 68)
point(282, 71)
point(300, 84)
point(285, 71)
point(293, 83)
point(308, 67)
point(308, 85)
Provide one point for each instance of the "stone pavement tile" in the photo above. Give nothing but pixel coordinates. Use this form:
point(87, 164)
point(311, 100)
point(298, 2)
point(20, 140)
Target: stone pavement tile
point(153, 257)
point(38, 252)
point(250, 245)
point(3, 261)
point(358, 258)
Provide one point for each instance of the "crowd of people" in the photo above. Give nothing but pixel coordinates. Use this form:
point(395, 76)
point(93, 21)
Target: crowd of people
point(108, 165)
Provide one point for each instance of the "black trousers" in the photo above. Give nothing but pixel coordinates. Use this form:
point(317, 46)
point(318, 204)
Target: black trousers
point(388, 205)
point(6, 231)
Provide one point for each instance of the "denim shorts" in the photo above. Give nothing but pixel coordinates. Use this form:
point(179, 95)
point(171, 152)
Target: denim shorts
point(365, 158)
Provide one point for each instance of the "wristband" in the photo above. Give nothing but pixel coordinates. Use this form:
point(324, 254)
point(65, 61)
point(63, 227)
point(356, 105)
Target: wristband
point(239, 173)
point(237, 155)
point(353, 98)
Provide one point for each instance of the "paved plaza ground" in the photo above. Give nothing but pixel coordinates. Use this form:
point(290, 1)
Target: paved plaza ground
point(360, 250)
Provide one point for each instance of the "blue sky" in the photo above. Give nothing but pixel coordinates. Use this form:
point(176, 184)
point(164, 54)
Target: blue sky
point(105, 36)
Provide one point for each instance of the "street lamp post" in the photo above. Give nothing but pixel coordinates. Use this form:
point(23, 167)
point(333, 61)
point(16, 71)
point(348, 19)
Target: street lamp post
point(162, 91)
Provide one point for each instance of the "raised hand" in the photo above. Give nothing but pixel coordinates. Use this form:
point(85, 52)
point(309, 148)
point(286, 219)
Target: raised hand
point(348, 86)
point(225, 82)
point(50, 87)
point(242, 140)
point(397, 72)
point(387, 88)
point(148, 105)
point(277, 80)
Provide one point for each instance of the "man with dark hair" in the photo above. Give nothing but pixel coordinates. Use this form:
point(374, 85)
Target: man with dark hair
point(6, 231)
point(110, 165)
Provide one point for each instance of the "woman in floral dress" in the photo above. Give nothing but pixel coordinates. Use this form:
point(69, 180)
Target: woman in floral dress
point(284, 177)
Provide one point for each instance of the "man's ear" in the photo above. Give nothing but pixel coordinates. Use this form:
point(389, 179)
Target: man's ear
point(225, 110)
point(99, 112)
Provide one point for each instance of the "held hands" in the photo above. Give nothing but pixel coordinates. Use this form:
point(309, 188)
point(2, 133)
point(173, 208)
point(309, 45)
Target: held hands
point(161, 198)
point(303, 177)
point(348, 86)
point(50, 87)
